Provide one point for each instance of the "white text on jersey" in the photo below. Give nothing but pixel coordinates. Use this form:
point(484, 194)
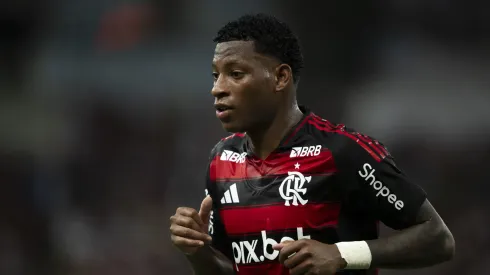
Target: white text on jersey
point(368, 175)
point(211, 218)
point(228, 155)
point(245, 252)
point(307, 151)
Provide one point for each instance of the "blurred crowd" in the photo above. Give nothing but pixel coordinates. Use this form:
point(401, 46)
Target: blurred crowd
point(107, 120)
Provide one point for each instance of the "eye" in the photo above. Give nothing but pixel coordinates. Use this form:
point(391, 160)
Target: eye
point(215, 76)
point(237, 74)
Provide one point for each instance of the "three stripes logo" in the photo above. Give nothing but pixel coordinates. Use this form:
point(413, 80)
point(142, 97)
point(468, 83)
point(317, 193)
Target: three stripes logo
point(377, 150)
point(231, 195)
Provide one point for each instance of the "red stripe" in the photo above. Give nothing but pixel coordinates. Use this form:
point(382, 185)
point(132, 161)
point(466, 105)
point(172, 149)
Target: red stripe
point(376, 157)
point(321, 125)
point(382, 147)
point(274, 268)
point(244, 220)
point(234, 135)
point(276, 164)
point(373, 145)
point(340, 129)
point(343, 132)
point(297, 128)
point(328, 123)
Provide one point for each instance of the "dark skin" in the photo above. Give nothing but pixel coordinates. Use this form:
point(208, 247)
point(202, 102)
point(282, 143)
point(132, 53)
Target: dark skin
point(427, 242)
point(189, 233)
point(260, 96)
point(260, 93)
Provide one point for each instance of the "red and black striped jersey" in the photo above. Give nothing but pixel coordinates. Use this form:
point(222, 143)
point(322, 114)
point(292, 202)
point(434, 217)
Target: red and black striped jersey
point(324, 182)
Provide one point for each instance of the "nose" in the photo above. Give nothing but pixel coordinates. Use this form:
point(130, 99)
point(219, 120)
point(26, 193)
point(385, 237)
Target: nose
point(220, 88)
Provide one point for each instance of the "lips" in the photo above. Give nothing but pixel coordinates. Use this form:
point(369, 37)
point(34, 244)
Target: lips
point(222, 107)
point(223, 111)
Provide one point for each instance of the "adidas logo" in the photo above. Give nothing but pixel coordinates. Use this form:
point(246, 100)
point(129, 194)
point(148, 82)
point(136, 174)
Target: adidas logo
point(231, 195)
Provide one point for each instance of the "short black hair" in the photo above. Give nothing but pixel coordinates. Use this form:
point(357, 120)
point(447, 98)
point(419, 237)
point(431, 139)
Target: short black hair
point(270, 36)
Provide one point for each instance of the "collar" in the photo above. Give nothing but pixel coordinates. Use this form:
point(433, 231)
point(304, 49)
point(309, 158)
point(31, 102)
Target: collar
point(287, 137)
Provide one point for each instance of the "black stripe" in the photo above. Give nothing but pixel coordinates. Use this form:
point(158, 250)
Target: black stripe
point(262, 191)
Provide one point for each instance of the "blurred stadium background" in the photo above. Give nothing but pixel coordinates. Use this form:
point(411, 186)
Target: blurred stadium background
point(107, 120)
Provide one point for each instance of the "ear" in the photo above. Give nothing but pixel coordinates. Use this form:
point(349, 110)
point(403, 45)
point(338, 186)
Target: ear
point(284, 75)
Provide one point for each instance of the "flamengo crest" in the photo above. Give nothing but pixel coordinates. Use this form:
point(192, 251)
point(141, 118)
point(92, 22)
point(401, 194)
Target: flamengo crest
point(291, 188)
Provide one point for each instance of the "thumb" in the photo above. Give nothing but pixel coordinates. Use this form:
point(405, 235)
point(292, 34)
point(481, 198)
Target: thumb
point(205, 210)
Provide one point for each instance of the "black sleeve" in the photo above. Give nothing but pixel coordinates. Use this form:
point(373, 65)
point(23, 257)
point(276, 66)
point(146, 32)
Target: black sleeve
point(373, 185)
point(216, 228)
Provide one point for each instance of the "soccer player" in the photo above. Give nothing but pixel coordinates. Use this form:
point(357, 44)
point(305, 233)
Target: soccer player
point(291, 192)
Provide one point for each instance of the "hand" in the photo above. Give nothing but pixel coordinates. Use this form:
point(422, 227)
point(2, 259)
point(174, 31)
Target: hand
point(310, 257)
point(189, 228)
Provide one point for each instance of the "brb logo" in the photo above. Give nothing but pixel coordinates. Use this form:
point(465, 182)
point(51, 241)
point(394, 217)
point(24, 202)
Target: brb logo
point(228, 155)
point(247, 252)
point(292, 187)
point(368, 175)
point(307, 151)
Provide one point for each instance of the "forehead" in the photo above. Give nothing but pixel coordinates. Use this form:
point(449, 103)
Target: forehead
point(236, 52)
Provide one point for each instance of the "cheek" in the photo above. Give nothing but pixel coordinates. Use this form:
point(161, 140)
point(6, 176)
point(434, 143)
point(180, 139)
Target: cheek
point(255, 93)
point(267, 81)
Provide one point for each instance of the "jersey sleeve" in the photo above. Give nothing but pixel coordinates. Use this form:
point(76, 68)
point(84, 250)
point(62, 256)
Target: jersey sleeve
point(373, 184)
point(216, 228)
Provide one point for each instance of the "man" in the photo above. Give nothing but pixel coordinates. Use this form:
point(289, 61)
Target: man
point(290, 192)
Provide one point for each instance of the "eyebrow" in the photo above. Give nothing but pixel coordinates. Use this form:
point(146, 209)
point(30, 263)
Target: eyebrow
point(230, 62)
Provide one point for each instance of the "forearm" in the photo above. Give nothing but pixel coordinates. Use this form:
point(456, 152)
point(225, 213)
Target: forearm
point(209, 261)
point(422, 245)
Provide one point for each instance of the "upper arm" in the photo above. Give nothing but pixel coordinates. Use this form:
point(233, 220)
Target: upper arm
point(427, 212)
point(374, 184)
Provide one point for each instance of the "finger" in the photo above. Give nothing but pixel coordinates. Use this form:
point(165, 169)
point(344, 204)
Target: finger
point(295, 259)
point(289, 249)
point(280, 246)
point(183, 242)
point(205, 210)
point(302, 268)
point(189, 233)
point(185, 222)
point(192, 213)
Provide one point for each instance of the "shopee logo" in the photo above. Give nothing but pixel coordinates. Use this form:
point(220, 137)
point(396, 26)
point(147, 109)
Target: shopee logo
point(368, 176)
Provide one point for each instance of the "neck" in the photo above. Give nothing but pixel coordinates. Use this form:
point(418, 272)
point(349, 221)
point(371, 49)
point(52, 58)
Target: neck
point(267, 139)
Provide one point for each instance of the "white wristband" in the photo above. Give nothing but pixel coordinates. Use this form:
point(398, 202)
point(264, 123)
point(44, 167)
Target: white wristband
point(357, 254)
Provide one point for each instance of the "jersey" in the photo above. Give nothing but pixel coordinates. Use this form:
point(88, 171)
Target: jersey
point(324, 182)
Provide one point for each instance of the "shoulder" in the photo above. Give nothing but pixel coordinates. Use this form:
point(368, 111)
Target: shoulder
point(346, 142)
point(225, 150)
point(231, 142)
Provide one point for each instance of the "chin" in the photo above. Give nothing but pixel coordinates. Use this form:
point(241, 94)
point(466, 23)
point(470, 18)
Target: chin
point(233, 127)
